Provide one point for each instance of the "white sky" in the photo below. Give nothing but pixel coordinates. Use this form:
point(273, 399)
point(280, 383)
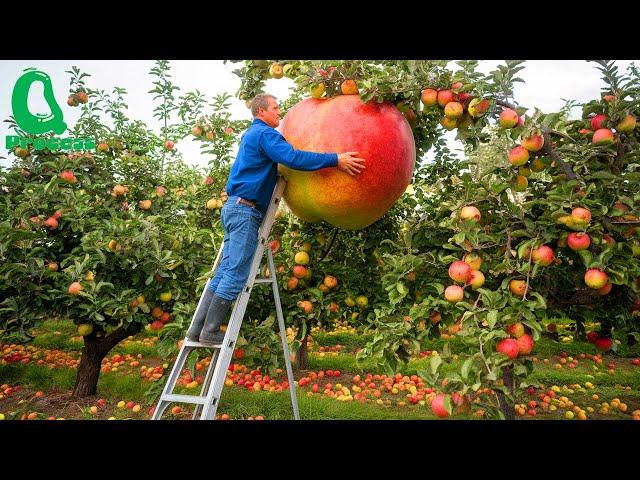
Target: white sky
point(547, 83)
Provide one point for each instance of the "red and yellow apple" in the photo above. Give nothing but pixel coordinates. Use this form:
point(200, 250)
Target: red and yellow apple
point(378, 132)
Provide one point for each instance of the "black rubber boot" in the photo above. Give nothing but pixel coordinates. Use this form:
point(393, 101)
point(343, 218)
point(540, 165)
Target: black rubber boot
point(193, 333)
point(216, 313)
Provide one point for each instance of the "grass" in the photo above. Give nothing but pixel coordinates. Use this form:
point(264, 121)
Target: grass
point(345, 339)
point(37, 377)
point(239, 403)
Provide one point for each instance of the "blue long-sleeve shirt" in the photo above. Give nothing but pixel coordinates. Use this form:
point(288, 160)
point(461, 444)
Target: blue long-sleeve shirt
point(253, 174)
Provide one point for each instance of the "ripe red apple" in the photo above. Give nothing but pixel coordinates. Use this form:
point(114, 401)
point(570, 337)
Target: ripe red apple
point(161, 191)
point(456, 86)
point(429, 97)
point(68, 176)
point(508, 346)
point(581, 216)
point(627, 125)
point(145, 204)
point(464, 98)
point(476, 279)
point(508, 118)
point(602, 136)
point(469, 212)
point(578, 241)
point(75, 288)
point(595, 278)
point(454, 293)
point(448, 123)
point(459, 271)
point(349, 87)
point(299, 271)
point(453, 110)
point(51, 223)
point(380, 135)
point(603, 343)
point(542, 255)
point(533, 143)
point(444, 97)
point(306, 306)
point(525, 344)
point(474, 260)
point(274, 245)
point(517, 287)
point(521, 121)
point(168, 145)
point(598, 122)
point(330, 281)
point(606, 289)
point(157, 325)
point(520, 183)
point(292, 283)
point(477, 107)
point(591, 337)
point(515, 329)
point(518, 156)
point(441, 405)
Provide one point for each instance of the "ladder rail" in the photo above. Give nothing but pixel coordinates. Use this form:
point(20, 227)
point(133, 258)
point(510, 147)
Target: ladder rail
point(206, 405)
point(283, 338)
point(179, 363)
point(233, 328)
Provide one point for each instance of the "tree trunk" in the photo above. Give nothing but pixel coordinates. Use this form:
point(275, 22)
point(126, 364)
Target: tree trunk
point(95, 349)
point(505, 407)
point(302, 360)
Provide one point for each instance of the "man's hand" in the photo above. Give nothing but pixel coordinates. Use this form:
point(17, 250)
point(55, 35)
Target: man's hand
point(348, 162)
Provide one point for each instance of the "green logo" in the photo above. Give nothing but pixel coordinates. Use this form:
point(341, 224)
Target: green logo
point(39, 123)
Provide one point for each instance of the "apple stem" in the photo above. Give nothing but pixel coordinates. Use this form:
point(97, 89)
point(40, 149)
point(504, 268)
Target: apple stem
point(335, 233)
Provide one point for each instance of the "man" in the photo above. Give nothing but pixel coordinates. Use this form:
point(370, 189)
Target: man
point(249, 189)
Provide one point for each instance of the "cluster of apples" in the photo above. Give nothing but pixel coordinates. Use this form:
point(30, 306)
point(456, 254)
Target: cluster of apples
point(579, 220)
point(601, 342)
point(520, 342)
point(460, 108)
point(601, 134)
point(521, 155)
point(79, 97)
point(51, 222)
point(465, 271)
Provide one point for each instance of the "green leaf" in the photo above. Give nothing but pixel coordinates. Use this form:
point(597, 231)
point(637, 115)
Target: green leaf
point(435, 363)
point(466, 366)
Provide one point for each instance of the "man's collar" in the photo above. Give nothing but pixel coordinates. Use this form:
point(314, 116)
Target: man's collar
point(257, 120)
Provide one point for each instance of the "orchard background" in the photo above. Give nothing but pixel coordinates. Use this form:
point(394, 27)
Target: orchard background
point(493, 284)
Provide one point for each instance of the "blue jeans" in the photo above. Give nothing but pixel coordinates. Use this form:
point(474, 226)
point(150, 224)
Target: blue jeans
point(241, 224)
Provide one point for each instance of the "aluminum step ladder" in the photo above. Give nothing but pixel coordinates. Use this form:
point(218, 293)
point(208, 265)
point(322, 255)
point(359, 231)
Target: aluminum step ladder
point(208, 400)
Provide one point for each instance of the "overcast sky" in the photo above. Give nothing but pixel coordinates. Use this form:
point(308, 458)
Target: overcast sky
point(547, 83)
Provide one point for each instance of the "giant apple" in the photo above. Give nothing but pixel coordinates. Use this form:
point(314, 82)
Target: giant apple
point(377, 131)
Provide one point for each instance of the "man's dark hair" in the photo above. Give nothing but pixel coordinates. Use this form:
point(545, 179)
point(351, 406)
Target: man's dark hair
point(260, 101)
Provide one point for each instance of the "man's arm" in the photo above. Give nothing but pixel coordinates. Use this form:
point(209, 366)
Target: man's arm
point(280, 151)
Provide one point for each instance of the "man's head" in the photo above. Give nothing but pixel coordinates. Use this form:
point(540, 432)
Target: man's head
point(265, 107)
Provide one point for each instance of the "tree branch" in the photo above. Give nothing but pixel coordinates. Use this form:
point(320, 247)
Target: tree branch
point(502, 103)
point(335, 233)
point(547, 149)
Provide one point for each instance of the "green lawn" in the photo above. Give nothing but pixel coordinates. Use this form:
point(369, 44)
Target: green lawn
point(239, 403)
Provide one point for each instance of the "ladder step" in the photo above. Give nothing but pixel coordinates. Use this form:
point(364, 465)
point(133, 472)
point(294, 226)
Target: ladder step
point(190, 343)
point(184, 399)
point(263, 280)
